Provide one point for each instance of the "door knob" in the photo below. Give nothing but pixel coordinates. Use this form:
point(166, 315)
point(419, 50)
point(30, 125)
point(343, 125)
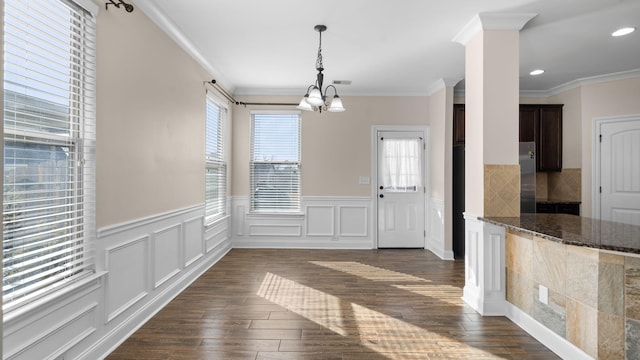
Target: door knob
point(381, 196)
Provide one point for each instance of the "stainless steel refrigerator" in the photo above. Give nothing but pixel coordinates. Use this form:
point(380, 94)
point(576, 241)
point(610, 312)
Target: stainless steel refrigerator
point(527, 177)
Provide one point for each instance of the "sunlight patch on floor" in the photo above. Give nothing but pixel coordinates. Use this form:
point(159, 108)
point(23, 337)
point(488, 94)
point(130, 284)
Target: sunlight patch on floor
point(317, 306)
point(444, 293)
point(375, 330)
point(368, 272)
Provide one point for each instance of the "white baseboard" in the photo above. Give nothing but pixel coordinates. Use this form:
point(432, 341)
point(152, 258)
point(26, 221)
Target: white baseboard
point(556, 343)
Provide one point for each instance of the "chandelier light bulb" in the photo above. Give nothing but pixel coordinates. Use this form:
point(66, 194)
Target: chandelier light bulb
point(304, 104)
point(315, 97)
point(336, 105)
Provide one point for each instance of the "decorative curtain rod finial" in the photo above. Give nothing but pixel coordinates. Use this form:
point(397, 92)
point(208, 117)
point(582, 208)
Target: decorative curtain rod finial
point(127, 7)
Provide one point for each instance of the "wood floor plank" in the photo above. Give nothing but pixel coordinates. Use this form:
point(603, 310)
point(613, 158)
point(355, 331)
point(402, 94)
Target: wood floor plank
point(325, 305)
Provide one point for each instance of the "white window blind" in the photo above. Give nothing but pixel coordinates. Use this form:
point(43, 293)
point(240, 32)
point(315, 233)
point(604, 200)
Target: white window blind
point(49, 147)
point(275, 162)
point(216, 166)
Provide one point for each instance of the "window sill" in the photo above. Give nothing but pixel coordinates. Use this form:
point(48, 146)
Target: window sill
point(210, 223)
point(67, 291)
point(286, 215)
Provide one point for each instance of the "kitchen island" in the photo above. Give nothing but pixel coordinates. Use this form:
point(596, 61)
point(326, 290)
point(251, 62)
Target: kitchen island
point(574, 279)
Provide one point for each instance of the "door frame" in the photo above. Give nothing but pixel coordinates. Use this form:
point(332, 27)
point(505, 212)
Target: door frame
point(425, 172)
point(596, 181)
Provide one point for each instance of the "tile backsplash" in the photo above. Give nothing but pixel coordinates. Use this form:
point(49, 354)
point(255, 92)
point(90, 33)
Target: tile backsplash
point(501, 190)
point(563, 185)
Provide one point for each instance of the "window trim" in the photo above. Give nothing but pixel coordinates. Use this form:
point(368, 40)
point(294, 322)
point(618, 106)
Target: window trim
point(222, 162)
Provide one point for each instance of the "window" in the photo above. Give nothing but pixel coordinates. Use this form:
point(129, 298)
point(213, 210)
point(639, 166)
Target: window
point(400, 165)
point(216, 166)
point(275, 162)
point(49, 147)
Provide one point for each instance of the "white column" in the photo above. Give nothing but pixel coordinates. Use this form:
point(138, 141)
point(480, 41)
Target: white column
point(492, 99)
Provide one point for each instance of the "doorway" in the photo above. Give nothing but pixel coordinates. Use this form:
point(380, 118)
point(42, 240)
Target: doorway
point(617, 177)
point(400, 184)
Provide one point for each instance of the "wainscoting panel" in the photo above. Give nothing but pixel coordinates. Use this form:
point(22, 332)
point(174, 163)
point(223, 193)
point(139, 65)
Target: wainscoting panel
point(320, 220)
point(354, 220)
point(326, 223)
point(126, 280)
point(216, 234)
point(167, 254)
point(275, 230)
point(193, 240)
point(485, 274)
point(239, 213)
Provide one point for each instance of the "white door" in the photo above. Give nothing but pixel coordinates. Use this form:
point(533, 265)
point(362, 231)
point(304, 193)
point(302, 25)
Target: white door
point(620, 171)
point(401, 189)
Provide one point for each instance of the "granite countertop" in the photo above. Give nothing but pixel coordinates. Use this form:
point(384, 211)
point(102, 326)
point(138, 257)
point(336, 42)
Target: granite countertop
point(556, 201)
point(575, 230)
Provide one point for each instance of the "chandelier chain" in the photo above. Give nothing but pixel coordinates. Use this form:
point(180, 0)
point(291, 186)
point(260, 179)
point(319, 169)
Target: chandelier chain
point(319, 65)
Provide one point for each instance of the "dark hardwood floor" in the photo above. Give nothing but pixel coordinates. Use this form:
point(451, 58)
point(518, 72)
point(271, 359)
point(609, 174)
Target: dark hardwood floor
point(328, 304)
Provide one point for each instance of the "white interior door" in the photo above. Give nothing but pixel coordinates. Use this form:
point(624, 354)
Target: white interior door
point(401, 189)
point(620, 171)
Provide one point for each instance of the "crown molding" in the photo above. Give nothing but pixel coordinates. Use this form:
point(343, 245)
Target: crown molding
point(622, 75)
point(492, 21)
point(151, 10)
point(592, 80)
point(441, 84)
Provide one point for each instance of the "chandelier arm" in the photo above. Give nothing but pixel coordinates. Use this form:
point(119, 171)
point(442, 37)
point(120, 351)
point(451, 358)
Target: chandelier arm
point(309, 88)
point(335, 91)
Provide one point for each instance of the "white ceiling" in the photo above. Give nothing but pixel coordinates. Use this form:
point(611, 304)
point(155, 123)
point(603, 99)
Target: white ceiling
point(400, 47)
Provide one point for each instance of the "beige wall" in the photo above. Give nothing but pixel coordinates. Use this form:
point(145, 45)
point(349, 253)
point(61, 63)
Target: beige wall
point(612, 98)
point(150, 121)
point(571, 126)
point(336, 147)
point(441, 140)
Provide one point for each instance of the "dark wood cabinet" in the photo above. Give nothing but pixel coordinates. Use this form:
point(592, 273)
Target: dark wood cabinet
point(558, 208)
point(543, 125)
point(529, 124)
point(458, 124)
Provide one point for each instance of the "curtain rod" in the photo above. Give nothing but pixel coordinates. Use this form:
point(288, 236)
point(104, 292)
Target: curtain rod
point(230, 97)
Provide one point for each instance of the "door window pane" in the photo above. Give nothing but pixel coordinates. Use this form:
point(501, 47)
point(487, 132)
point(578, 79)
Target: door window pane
point(401, 165)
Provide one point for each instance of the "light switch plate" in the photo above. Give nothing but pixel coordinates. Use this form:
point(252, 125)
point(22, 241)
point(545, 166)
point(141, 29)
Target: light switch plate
point(363, 180)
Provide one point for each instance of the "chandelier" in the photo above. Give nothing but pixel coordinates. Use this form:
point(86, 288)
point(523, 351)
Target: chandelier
point(316, 99)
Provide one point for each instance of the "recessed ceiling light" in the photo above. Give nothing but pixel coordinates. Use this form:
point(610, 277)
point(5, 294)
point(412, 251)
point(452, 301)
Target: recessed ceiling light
point(536, 72)
point(623, 31)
